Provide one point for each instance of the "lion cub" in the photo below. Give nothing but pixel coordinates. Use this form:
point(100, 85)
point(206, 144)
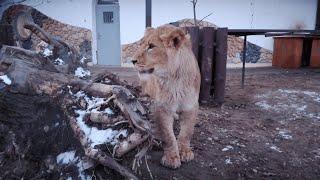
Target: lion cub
point(169, 74)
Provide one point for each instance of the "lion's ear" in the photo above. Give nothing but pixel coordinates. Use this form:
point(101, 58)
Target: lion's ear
point(174, 38)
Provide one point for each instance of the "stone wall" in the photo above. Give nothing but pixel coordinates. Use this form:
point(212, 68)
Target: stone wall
point(79, 38)
point(255, 53)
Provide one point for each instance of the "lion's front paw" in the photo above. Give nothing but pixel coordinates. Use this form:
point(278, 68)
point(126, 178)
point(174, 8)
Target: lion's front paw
point(186, 154)
point(171, 160)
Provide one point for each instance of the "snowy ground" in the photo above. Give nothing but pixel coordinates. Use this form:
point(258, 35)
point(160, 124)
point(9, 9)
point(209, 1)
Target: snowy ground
point(268, 130)
point(264, 131)
point(295, 103)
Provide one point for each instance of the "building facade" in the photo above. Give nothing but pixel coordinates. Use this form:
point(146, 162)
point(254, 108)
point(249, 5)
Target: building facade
point(244, 14)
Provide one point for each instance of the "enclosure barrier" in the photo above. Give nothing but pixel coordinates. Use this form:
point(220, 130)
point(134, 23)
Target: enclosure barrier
point(209, 46)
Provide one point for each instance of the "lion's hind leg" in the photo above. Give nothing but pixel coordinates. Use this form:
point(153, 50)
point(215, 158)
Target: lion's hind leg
point(187, 123)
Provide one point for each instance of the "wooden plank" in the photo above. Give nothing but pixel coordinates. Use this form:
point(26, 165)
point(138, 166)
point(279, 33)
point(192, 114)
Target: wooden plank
point(244, 32)
point(220, 64)
point(206, 63)
point(315, 54)
point(287, 52)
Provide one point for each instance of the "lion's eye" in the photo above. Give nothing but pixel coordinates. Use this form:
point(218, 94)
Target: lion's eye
point(151, 46)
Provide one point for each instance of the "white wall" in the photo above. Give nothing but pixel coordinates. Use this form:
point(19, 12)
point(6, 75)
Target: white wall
point(246, 14)
point(272, 14)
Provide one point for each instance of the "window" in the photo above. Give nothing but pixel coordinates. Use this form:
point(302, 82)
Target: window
point(108, 17)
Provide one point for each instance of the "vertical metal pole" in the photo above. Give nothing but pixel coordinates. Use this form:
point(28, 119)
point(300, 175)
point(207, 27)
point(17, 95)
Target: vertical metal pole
point(318, 16)
point(148, 13)
point(244, 57)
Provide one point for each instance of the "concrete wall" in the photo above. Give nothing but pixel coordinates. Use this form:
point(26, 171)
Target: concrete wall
point(231, 13)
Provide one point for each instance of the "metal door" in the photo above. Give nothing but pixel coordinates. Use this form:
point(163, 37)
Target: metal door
point(108, 34)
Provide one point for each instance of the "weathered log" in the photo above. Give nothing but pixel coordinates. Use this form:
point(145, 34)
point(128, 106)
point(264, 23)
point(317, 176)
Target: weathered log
point(206, 63)
point(220, 65)
point(32, 74)
point(130, 143)
point(99, 117)
point(25, 26)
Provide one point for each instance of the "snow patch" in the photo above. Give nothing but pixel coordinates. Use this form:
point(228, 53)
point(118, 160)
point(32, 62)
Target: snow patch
point(56, 124)
point(108, 111)
point(47, 52)
point(264, 105)
point(80, 72)
point(228, 161)
point(316, 153)
point(70, 158)
point(6, 79)
point(274, 147)
point(82, 59)
point(95, 135)
point(67, 157)
point(285, 134)
point(297, 103)
point(227, 148)
point(58, 61)
point(81, 168)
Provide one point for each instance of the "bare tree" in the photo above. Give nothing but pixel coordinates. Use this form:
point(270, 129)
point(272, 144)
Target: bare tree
point(194, 4)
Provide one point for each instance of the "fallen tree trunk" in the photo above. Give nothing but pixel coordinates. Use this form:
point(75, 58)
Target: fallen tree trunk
point(32, 74)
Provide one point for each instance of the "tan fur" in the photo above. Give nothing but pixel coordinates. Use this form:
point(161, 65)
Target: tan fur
point(169, 74)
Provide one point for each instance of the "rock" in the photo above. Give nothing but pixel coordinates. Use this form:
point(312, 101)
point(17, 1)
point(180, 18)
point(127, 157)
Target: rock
point(46, 128)
point(254, 170)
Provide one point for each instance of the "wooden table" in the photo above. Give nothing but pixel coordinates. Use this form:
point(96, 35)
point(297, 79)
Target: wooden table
point(296, 51)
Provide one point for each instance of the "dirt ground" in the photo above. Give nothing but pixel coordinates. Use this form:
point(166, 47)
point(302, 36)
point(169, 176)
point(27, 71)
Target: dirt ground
point(268, 130)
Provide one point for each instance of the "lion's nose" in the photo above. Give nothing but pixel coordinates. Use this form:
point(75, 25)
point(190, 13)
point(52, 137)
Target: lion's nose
point(134, 61)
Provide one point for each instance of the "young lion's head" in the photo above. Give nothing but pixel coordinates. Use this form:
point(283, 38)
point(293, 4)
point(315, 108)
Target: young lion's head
point(160, 50)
